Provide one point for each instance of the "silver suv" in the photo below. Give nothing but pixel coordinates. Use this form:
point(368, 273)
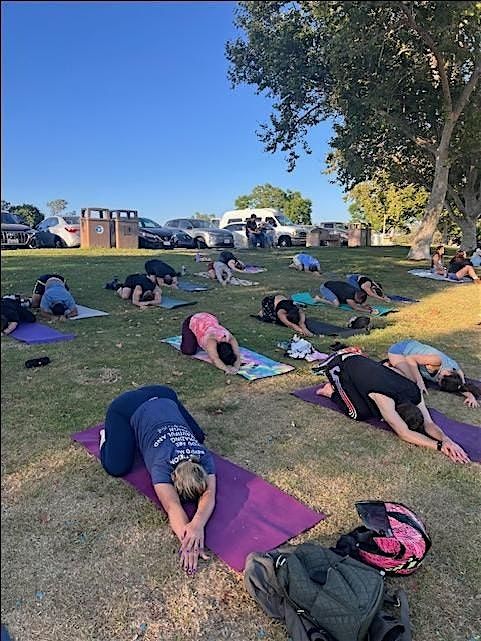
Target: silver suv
point(203, 232)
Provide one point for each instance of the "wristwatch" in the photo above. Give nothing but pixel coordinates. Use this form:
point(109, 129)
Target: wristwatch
point(439, 446)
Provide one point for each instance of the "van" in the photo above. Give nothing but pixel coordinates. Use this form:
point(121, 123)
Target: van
point(287, 233)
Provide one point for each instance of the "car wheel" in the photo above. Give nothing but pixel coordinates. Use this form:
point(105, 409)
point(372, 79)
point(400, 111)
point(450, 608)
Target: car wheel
point(200, 243)
point(284, 241)
point(59, 243)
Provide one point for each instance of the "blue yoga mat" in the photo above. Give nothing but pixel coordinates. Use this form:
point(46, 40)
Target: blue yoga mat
point(32, 333)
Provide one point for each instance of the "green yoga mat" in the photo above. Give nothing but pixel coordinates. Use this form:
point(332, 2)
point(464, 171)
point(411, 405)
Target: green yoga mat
point(305, 298)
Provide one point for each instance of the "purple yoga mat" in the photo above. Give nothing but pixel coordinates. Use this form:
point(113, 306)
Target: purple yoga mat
point(250, 515)
point(468, 436)
point(32, 333)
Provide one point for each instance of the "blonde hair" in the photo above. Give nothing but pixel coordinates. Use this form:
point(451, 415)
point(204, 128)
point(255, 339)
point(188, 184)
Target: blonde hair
point(190, 479)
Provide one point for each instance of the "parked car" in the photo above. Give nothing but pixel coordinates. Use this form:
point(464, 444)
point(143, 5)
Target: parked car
point(58, 231)
point(14, 232)
point(287, 233)
point(152, 235)
point(203, 232)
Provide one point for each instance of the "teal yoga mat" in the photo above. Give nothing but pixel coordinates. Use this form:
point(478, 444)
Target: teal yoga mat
point(171, 303)
point(305, 298)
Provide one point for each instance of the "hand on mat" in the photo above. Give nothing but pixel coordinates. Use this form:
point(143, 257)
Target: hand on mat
point(454, 452)
point(231, 370)
point(471, 401)
point(192, 546)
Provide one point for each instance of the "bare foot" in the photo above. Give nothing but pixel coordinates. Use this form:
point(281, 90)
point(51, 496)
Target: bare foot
point(102, 438)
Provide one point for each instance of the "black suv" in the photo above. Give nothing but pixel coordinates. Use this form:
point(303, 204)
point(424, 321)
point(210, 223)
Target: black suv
point(14, 232)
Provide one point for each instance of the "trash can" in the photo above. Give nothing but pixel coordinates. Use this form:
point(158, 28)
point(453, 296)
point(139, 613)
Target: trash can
point(126, 226)
point(359, 235)
point(95, 228)
point(313, 238)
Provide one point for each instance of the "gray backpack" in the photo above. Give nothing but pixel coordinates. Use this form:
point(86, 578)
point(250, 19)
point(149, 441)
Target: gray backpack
point(321, 595)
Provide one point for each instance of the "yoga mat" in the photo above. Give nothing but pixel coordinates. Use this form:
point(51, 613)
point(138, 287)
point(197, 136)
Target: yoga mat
point(425, 273)
point(192, 287)
point(87, 312)
point(33, 333)
point(250, 514)
point(468, 436)
point(254, 365)
point(319, 328)
point(402, 299)
point(305, 298)
point(254, 269)
point(171, 303)
point(233, 281)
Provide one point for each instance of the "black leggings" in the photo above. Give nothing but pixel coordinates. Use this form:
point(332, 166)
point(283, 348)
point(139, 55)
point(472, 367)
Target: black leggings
point(118, 452)
point(188, 344)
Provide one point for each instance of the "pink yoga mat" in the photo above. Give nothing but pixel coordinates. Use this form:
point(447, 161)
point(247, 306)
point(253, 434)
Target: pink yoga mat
point(468, 436)
point(32, 333)
point(250, 515)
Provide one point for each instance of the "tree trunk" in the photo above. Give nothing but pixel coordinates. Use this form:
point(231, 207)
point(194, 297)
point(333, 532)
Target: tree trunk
point(467, 225)
point(421, 245)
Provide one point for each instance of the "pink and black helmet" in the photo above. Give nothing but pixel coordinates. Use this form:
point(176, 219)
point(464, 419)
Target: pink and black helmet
point(393, 538)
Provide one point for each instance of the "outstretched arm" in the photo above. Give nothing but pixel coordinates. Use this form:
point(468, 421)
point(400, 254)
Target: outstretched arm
point(189, 533)
point(300, 329)
point(11, 327)
point(357, 306)
point(211, 349)
point(387, 409)
point(449, 448)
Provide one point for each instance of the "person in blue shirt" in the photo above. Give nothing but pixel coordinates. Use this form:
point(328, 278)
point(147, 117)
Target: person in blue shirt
point(153, 421)
point(57, 301)
point(305, 263)
point(421, 362)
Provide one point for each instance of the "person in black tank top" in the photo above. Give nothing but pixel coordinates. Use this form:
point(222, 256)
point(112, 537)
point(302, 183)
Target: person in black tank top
point(283, 311)
point(231, 261)
point(363, 388)
point(141, 289)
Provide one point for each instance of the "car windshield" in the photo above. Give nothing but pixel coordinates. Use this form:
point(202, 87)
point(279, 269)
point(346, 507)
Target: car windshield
point(11, 219)
point(282, 219)
point(202, 224)
point(146, 222)
point(71, 220)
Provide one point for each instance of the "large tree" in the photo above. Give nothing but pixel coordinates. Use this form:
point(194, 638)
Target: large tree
point(57, 206)
point(395, 74)
point(384, 205)
point(291, 203)
point(29, 213)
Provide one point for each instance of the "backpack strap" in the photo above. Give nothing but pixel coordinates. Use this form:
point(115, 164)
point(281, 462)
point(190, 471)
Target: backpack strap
point(386, 627)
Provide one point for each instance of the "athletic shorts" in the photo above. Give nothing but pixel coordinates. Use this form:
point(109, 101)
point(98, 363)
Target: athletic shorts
point(41, 280)
point(327, 294)
point(398, 348)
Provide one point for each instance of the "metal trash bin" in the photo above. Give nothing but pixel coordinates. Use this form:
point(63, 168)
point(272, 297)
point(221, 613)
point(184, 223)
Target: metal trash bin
point(95, 228)
point(126, 228)
point(359, 235)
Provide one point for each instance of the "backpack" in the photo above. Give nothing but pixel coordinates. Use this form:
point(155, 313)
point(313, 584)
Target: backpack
point(359, 322)
point(322, 596)
point(393, 538)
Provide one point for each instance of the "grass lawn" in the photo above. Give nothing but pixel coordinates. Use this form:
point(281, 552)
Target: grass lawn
point(85, 557)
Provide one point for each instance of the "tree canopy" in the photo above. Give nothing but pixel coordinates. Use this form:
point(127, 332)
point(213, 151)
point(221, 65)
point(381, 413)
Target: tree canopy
point(395, 76)
point(291, 203)
point(57, 206)
point(29, 213)
point(384, 205)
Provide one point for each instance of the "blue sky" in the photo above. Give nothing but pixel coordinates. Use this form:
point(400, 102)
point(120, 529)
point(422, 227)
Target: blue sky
point(128, 105)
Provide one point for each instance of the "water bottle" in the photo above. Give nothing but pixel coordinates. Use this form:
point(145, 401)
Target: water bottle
point(183, 270)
